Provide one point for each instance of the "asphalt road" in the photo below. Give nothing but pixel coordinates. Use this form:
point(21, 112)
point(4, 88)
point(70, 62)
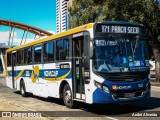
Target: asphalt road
point(130, 111)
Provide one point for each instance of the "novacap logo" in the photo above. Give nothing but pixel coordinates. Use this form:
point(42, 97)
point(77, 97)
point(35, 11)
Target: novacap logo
point(115, 87)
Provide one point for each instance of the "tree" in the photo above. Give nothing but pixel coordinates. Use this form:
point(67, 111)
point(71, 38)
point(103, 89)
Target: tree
point(146, 12)
point(85, 11)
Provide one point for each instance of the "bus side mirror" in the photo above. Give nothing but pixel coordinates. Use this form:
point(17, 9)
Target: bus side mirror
point(91, 52)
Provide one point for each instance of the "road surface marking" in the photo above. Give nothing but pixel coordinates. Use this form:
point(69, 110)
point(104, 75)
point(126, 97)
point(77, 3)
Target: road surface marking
point(111, 118)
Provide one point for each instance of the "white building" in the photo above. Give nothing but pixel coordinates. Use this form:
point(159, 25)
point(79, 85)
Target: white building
point(61, 15)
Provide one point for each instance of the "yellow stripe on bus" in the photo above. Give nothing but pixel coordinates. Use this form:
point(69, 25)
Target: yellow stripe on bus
point(20, 74)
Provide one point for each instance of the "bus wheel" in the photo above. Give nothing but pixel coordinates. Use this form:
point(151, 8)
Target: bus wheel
point(22, 89)
point(67, 97)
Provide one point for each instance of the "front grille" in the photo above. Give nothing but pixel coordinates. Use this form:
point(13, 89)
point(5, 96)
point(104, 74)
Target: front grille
point(126, 78)
point(127, 95)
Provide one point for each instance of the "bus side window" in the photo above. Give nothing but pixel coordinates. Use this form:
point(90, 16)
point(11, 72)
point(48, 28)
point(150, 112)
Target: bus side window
point(17, 56)
point(29, 55)
point(48, 54)
point(8, 59)
point(37, 53)
point(66, 48)
point(62, 49)
point(25, 56)
point(22, 58)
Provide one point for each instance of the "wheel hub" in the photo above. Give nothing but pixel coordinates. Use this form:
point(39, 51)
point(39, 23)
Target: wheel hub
point(68, 96)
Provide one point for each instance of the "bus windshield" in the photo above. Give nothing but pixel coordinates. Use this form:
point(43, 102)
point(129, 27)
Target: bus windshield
point(120, 55)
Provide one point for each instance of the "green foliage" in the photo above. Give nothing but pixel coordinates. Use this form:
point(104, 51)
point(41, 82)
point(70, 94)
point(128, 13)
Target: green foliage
point(146, 12)
point(83, 12)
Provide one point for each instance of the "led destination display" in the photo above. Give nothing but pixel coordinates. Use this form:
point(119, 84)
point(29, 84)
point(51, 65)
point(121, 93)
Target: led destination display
point(103, 28)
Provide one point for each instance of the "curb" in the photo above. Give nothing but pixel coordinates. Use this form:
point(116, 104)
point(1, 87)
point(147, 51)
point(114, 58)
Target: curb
point(155, 84)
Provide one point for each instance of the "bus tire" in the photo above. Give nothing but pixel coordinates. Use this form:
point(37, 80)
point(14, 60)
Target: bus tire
point(67, 97)
point(23, 89)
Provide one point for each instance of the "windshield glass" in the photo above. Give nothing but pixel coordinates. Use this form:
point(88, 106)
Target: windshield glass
point(120, 55)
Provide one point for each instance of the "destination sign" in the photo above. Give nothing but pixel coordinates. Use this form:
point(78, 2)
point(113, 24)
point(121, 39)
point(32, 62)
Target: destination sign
point(106, 43)
point(119, 29)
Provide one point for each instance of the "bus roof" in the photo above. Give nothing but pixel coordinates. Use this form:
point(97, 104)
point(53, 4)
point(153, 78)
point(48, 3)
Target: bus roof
point(122, 23)
point(58, 35)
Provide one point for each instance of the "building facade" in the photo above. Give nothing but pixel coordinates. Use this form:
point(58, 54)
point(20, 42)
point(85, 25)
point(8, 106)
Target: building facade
point(62, 15)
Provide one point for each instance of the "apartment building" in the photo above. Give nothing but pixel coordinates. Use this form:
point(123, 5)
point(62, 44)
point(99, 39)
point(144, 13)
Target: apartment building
point(62, 15)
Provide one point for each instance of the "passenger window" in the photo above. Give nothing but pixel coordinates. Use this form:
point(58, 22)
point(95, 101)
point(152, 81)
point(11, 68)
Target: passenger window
point(25, 56)
point(19, 57)
point(62, 49)
point(48, 51)
point(8, 59)
point(37, 53)
point(29, 55)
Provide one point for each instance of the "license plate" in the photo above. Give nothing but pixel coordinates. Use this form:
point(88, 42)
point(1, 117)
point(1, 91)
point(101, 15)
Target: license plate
point(129, 95)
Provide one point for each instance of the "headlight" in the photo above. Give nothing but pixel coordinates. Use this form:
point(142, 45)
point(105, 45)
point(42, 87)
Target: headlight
point(105, 89)
point(102, 87)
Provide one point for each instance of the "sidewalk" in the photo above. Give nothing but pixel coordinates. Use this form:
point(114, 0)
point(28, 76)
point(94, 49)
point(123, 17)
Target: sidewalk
point(2, 75)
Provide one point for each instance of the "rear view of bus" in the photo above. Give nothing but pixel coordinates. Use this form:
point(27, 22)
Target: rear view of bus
point(120, 63)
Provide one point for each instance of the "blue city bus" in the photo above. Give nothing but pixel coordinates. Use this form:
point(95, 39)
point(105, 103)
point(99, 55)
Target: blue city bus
point(103, 62)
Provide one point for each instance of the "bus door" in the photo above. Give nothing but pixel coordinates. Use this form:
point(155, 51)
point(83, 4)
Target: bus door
point(13, 59)
point(77, 67)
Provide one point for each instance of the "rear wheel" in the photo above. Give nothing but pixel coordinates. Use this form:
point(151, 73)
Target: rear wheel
point(23, 89)
point(67, 97)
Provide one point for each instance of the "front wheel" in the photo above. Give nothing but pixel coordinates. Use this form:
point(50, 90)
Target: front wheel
point(67, 97)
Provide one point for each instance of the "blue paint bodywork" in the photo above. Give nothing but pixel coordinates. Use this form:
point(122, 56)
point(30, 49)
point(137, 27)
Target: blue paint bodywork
point(99, 96)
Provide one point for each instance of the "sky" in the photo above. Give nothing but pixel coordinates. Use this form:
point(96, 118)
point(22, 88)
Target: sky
point(37, 13)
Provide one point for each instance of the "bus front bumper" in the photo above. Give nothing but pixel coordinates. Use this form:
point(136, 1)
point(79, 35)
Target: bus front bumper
point(100, 96)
